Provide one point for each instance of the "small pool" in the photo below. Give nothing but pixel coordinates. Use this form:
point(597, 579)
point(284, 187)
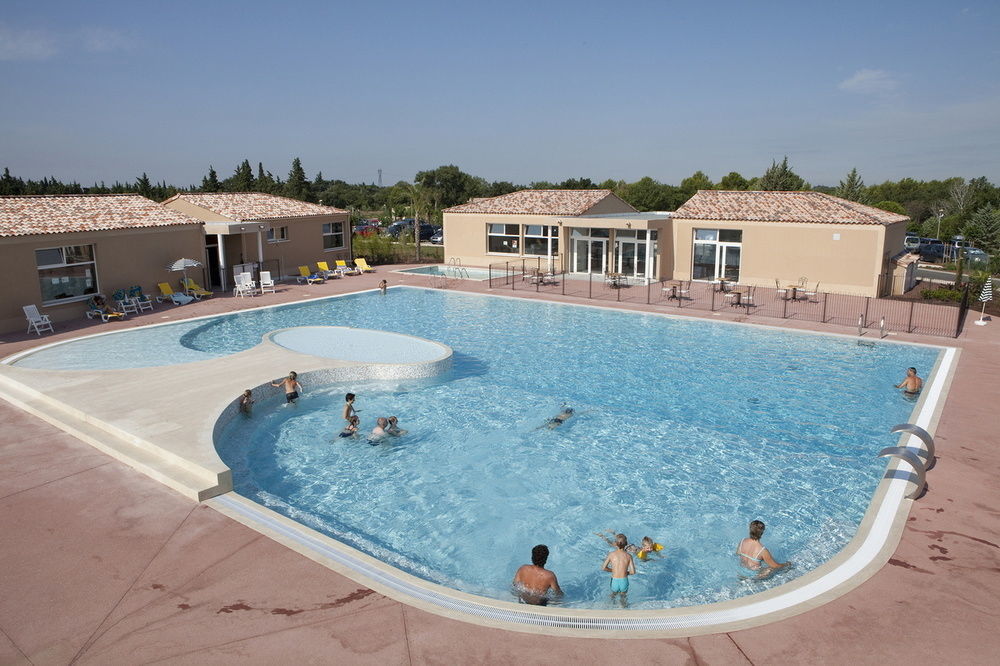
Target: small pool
point(455, 272)
point(359, 344)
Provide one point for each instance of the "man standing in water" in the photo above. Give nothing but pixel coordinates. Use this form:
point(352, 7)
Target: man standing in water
point(912, 384)
point(532, 582)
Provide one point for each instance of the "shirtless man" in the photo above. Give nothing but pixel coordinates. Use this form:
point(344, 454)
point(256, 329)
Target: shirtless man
point(620, 563)
point(349, 410)
point(912, 384)
point(291, 385)
point(532, 582)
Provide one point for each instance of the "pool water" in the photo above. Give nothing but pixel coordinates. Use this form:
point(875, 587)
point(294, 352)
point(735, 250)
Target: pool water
point(459, 272)
point(684, 430)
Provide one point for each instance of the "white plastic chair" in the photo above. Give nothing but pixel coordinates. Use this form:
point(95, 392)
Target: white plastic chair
point(266, 283)
point(248, 281)
point(241, 288)
point(37, 321)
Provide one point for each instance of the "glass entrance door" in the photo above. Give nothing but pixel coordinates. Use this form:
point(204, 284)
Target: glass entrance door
point(589, 255)
point(626, 257)
point(728, 265)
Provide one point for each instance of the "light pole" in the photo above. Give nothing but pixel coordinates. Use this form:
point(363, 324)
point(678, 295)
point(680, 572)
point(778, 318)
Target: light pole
point(940, 214)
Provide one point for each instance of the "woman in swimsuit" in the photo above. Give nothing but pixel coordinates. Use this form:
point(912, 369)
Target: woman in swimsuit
point(755, 556)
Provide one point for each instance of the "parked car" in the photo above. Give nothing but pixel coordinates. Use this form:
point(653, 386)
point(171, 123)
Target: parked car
point(974, 256)
point(397, 227)
point(911, 243)
point(366, 229)
point(438, 237)
point(931, 252)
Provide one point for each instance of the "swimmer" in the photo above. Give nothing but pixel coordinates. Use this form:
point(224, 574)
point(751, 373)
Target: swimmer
point(349, 410)
point(621, 565)
point(351, 429)
point(393, 427)
point(755, 556)
point(643, 551)
point(559, 419)
point(912, 383)
point(532, 582)
point(246, 402)
point(291, 385)
point(382, 286)
point(378, 432)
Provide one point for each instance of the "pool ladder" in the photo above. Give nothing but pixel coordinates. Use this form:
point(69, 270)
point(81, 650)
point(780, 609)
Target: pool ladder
point(914, 457)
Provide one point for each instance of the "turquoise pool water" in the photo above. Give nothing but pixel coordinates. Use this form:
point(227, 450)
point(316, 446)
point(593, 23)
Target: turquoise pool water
point(685, 430)
point(460, 272)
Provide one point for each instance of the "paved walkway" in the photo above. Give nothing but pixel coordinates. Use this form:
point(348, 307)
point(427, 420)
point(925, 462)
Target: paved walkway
point(99, 564)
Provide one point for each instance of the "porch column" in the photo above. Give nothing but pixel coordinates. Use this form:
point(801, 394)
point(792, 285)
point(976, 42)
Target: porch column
point(221, 249)
point(260, 247)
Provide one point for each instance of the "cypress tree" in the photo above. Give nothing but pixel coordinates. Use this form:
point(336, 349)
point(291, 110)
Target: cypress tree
point(781, 178)
point(297, 186)
point(210, 183)
point(852, 188)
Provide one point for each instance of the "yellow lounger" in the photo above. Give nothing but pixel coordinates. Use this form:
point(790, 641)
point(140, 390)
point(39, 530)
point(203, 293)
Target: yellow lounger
point(324, 268)
point(168, 294)
point(362, 264)
point(305, 276)
point(194, 289)
point(342, 267)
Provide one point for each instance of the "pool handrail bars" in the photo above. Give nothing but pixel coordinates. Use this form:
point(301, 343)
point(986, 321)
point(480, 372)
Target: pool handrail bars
point(910, 458)
point(923, 435)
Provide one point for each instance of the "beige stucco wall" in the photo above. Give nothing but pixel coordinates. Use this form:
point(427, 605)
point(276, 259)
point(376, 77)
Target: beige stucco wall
point(305, 243)
point(123, 258)
point(843, 258)
point(465, 236)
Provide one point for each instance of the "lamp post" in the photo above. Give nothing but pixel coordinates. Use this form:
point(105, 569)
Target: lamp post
point(940, 214)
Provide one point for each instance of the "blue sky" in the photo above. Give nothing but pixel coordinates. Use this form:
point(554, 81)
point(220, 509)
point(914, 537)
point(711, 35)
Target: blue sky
point(517, 91)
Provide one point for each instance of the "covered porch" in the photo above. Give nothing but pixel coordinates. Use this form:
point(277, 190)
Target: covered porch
point(623, 246)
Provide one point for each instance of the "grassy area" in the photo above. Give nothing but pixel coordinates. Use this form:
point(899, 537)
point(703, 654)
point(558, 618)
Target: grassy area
point(383, 250)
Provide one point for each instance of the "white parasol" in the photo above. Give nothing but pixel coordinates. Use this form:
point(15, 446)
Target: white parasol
point(183, 265)
point(985, 296)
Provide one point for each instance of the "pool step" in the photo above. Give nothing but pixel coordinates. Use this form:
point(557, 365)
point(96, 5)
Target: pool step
point(181, 475)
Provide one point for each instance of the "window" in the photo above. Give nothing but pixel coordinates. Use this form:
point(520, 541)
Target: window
point(66, 272)
point(277, 235)
point(333, 235)
point(541, 240)
point(717, 254)
point(502, 238)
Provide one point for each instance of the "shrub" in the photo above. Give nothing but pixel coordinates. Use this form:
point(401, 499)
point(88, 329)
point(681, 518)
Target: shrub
point(942, 294)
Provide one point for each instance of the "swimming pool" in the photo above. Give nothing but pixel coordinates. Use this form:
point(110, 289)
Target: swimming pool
point(456, 272)
point(684, 430)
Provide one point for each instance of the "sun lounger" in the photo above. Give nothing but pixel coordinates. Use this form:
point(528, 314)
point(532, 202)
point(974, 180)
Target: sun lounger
point(344, 269)
point(36, 320)
point(266, 283)
point(323, 268)
point(305, 277)
point(168, 294)
point(141, 300)
point(363, 266)
point(124, 302)
point(105, 313)
point(194, 289)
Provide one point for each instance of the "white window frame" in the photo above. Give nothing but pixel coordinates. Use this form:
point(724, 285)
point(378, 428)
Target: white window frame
point(277, 234)
point(332, 233)
point(65, 264)
point(516, 237)
point(553, 235)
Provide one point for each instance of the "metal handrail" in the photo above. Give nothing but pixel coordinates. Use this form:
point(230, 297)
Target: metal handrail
point(907, 456)
point(921, 434)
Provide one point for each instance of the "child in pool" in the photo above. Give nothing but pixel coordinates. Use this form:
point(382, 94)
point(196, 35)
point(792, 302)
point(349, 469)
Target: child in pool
point(351, 429)
point(393, 427)
point(643, 551)
point(246, 402)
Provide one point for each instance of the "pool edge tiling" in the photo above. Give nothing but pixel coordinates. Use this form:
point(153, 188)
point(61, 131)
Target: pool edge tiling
point(659, 623)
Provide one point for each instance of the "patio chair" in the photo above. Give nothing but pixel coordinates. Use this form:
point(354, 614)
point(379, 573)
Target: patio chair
point(141, 300)
point(748, 298)
point(194, 289)
point(97, 307)
point(324, 269)
point(810, 295)
point(684, 291)
point(344, 269)
point(168, 294)
point(36, 320)
point(266, 283)
point(362, 265)
point(803, 282)
point(780, 291)
point(124, 302)
point(305, 277)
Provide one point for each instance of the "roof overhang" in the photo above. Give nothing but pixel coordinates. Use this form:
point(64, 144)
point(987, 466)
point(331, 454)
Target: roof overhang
point(236, 228)
point(618, 220)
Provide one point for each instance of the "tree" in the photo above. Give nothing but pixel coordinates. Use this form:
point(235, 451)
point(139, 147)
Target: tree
point(265, 180)
point(449, 186)
point(781, 178)
point(210, 183)
point(647, 194)
point(733, 181)
point(242, 179)
point(297, 187)
point(696, 181)
point(891, 206)
point(577, 184)
point(852, 188)
point(143, 186)
point(983, 229)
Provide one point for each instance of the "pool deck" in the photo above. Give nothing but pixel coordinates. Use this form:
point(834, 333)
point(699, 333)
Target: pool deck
point(101, 564)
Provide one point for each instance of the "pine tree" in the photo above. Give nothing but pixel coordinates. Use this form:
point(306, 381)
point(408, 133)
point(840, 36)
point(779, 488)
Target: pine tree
point(242, 180)
point(297, 186)
point(853, 188)
point(210, 183)
point(143, 186)
point(781, 178)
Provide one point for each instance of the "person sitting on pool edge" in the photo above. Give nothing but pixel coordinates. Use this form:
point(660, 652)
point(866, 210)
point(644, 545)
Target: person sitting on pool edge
point(378, 432)
point(392, 427)
point(351, 429)
point(291, 385)
point(912, 383)
point(532, 582)
point(246, 402)
point(754, 555)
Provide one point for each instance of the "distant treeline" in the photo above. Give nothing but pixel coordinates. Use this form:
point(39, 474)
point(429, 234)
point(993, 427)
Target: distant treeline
point(948, 203)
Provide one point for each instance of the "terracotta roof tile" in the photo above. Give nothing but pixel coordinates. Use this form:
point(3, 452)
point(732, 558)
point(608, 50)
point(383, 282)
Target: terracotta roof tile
point(244, 206)
point(62, 213)
point(537, 202)
point(781, 207)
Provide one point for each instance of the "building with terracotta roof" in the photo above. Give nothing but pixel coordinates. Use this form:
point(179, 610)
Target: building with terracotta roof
point(755, 238)
point(59, 250)
point(257, 231)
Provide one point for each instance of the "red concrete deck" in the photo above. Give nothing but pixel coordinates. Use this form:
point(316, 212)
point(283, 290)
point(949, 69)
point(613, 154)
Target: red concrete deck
point(100, 564)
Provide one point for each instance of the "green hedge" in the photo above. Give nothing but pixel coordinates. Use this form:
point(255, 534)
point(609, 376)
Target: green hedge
point(382, 250)
point(942, 294)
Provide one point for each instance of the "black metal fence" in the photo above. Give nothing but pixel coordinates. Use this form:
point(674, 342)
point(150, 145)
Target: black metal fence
point(864, 312)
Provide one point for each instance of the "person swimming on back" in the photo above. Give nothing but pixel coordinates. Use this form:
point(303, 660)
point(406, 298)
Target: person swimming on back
point(378, 432)
point(755, 556)
point(912, 383)
point(351, 429)
point(559, 419)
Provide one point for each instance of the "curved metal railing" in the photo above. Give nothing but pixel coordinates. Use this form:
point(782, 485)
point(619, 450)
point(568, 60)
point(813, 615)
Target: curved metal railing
point(912, 456)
